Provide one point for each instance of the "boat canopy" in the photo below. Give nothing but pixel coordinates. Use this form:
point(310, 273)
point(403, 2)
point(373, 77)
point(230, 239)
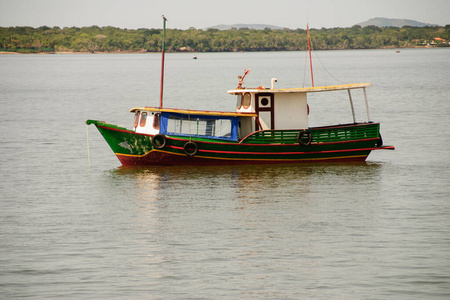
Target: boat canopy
point(303, 90)
point(194, 112)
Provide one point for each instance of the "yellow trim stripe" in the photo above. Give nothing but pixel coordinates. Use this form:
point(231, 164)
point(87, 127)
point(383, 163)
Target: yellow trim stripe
point(195, 112)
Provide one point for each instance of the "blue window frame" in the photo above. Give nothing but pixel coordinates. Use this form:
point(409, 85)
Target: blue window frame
point(213, 127)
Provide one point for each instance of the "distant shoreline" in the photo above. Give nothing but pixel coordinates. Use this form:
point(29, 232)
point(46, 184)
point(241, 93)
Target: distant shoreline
point(114, 40)
point(144, 52)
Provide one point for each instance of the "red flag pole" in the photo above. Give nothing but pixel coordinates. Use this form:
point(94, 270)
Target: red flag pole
point(162, 62)
point(310, 60)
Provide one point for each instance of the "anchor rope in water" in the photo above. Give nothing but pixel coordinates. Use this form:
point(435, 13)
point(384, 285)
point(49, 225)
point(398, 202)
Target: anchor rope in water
point(87, 139)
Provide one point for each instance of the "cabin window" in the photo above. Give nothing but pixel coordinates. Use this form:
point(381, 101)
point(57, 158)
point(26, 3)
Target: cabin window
point(156, 121)
point(215, 127)
point(143, 119)
point(199, 126)
point(136, 118)
point(246, 100)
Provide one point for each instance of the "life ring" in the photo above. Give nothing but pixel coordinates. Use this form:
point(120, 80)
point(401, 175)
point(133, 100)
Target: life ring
point(159, 141)
point(190, 148)
point(304, 137)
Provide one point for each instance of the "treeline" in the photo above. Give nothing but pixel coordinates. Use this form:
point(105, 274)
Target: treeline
point(111, 39)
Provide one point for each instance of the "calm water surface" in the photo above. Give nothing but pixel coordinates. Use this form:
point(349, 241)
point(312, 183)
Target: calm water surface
point(374, 230)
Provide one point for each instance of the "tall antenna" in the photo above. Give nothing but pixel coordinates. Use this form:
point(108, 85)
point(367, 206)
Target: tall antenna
point(310, 60)
point(162, 62)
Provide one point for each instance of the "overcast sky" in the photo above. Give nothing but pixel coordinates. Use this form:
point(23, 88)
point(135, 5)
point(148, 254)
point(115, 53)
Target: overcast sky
point(182, 14)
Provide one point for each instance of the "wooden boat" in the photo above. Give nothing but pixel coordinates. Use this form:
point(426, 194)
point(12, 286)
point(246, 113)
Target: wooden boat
point(269, 126)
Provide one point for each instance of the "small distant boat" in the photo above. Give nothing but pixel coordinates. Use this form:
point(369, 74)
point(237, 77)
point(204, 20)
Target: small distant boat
point(269, 126)
point(398, 51)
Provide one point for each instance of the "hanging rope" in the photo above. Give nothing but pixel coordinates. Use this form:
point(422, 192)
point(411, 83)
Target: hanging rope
point(189, 122)
point(311, 47)
point(326, 70)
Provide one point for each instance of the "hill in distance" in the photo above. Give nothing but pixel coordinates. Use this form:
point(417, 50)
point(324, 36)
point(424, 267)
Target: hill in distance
point(385, 22)
point(380, 22)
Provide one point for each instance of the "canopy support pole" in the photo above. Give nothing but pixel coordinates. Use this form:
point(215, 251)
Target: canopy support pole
point(351, 104)
point(367, 105)
point(310, 60)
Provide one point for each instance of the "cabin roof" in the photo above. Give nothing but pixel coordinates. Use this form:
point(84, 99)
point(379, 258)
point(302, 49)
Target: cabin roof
point(303, 90)
point(195, 112)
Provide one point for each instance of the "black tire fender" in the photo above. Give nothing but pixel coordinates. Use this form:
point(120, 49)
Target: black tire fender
point(190, 149)
point(304, 137)
point(159, 141)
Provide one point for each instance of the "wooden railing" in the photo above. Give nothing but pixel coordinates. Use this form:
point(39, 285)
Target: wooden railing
point(319, 134)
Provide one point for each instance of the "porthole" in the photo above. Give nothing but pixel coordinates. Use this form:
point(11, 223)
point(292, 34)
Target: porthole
point(264, 102)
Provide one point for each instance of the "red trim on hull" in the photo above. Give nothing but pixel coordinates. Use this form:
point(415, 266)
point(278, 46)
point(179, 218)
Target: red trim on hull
point(120, 130)
point(282, 153)
point(384, 148)
point(164, 158)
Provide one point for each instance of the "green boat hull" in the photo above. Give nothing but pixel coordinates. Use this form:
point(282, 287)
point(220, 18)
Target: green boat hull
point(351, 142)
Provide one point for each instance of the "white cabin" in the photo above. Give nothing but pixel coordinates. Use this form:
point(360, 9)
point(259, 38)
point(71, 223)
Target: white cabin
point(281, 109)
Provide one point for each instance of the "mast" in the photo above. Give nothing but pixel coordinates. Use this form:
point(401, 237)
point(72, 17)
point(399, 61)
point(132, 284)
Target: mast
point(310, 60)
point(162, 62)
